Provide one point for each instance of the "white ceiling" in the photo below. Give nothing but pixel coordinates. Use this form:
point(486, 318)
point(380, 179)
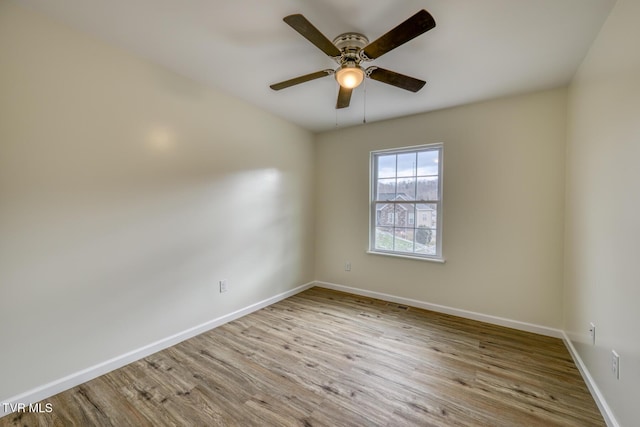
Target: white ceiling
point(480, 49)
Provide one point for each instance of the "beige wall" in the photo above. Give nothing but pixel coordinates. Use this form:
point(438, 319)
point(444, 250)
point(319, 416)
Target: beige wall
point(602, 210)
point(503, 208)
point(126, 193)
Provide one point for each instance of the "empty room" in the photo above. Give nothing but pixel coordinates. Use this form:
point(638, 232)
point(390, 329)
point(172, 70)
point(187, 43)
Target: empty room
point(330, 213)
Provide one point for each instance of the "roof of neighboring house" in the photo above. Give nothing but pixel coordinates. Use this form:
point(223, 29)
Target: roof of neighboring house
point(401, 197)
point(424, 207)
point(392, 196)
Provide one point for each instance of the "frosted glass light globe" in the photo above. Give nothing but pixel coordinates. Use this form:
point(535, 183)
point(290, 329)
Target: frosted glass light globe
point(349, 77)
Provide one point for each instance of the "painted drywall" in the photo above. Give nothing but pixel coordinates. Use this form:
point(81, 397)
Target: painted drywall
point(126, 193)
point(503, 208)
point(602, 206)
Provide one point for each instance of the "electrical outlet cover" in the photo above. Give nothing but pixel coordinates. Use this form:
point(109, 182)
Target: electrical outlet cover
point(615, 364)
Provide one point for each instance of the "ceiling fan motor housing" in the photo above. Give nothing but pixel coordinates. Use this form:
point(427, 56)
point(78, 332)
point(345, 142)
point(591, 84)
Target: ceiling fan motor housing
point(350, 44)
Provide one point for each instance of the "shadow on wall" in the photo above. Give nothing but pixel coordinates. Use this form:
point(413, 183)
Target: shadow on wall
point(138, 266)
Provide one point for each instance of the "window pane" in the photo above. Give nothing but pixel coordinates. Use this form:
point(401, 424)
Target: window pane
point(431, 247)
point(402, 214)
point(406, 189)
point(407, 164)
point(386, 189)
point(404, 239)
point(385, 213)
point(427, 188)
point(426, 215)
point(428, 162)
point(387, 166)
point(384, 238)
point(426, 241)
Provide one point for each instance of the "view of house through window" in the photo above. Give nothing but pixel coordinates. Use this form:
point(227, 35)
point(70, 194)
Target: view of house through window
point(406, 201)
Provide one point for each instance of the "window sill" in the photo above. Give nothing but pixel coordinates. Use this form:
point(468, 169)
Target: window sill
point(419, 258)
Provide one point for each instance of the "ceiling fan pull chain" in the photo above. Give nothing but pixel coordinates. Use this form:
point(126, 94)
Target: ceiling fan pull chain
point(364, 113)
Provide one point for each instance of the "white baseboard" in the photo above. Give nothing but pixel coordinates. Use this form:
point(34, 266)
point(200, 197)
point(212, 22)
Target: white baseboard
point(605, 410)
point(495, 320)
point(47, 390)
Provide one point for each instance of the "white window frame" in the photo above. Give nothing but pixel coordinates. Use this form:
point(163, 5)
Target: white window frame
point(438, 256)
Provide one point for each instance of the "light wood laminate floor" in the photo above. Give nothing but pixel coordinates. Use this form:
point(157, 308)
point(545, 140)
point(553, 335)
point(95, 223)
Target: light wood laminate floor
point(325, 358)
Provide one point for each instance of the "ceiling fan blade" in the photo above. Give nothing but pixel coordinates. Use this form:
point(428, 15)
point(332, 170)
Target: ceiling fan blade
point(344, 97)
point(301, 79)
point(418, 24)
point(311, 33)
point(395, 79)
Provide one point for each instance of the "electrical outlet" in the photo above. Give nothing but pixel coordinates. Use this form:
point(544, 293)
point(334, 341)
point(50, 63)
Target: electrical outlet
point(592, 333)
point(223, 286)
point(615, 364)
point(347, 266)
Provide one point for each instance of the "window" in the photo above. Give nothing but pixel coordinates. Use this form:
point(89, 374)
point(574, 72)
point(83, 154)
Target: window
point(406, 202)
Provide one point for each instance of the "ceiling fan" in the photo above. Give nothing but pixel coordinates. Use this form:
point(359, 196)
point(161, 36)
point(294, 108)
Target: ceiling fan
point(349, 50)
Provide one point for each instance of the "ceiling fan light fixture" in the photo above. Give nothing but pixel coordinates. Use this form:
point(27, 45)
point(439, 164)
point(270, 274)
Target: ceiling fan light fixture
point(349, 76)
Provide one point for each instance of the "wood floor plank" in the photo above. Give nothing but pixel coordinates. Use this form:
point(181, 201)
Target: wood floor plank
point(327, 358)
